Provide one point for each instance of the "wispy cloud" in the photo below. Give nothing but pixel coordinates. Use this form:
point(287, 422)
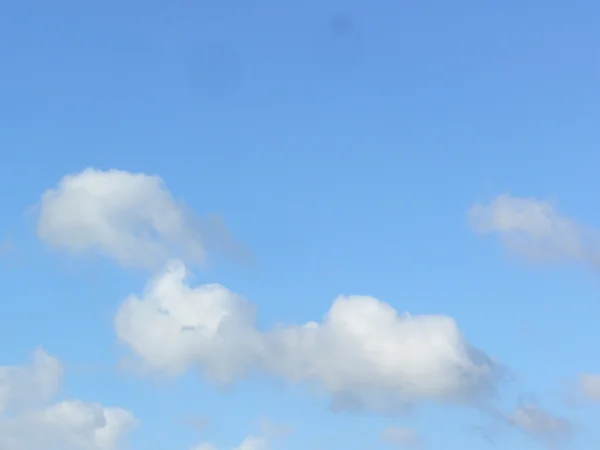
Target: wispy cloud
point(536, 231)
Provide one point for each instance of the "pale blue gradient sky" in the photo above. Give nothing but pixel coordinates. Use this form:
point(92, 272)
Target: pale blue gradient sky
point(345, 162)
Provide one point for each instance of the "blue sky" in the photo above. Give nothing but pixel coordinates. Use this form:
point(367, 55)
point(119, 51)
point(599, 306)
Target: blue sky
point(440, 158)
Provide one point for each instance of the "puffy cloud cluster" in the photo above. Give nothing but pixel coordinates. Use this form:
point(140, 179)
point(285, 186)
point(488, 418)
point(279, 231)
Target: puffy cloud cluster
point(363, 352)
point(29, 420)
point(130, 217)
point(536, 230)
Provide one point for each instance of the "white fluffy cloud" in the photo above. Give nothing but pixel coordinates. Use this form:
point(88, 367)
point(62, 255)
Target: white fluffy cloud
point(130, 217)
point(536, 230)
point(402, 437)
point(589, 386)
point(30, 421)
point(173, 326)
point(363, 352)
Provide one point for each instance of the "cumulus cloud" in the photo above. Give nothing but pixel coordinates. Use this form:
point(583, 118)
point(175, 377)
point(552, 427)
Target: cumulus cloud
point(363, 352)
point(535, 230)
point(29, 420)
point(130, 217)
point(402, 437)
point(589, 386)
point(173, 326)
point(367, 355)
point(541, 424)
